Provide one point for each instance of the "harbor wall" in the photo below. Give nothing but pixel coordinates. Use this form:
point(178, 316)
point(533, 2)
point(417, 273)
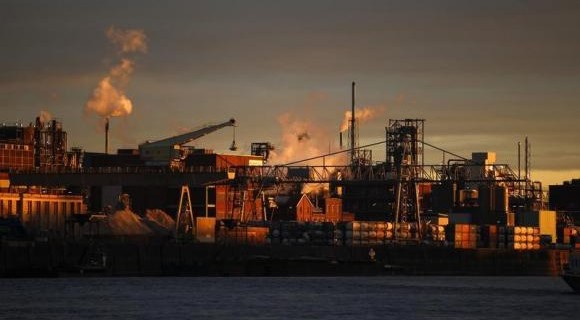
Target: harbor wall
point(146, 257)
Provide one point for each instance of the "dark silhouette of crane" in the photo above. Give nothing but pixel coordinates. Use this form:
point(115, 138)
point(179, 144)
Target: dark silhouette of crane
point(170, 151)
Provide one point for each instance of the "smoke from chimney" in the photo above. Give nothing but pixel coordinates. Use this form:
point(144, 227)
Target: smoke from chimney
point(108, 99)
point(361, 115)
point(302, 140)
point(45, 116)
point(130, 40)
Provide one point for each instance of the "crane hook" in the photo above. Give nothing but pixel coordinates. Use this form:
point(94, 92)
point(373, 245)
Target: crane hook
point(233, 147)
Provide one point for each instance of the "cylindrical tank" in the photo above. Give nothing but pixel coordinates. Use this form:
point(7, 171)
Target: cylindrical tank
point(484, 199)
point(501, 199)
point(443, 196)
point(468, 197)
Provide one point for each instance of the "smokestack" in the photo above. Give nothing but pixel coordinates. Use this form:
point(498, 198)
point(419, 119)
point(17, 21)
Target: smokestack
point(107, 135)
point(519, 168)
point(352, 131)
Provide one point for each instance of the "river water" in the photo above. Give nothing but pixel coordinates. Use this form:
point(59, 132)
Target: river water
point(289, 298)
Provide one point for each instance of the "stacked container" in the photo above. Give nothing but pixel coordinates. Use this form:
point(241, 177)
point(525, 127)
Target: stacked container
point(436, 233)
point(463, 236)
point(522, 238)
point(363, 233)
point(503, 233)
point(302, 233)
point(566, 235)
point(489, 236)
point(247, 235)
point(406, 231)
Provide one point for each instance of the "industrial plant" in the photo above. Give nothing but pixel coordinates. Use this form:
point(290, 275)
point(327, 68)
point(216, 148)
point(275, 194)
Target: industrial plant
point(167, 208)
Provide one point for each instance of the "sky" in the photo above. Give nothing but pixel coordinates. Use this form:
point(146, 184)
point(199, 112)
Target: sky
point(483, 74)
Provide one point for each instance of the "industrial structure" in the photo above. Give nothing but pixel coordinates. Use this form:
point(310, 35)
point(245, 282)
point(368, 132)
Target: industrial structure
point(227, 199)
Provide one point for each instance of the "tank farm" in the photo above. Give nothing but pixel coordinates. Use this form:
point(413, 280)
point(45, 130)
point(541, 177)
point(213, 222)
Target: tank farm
point(165, 208)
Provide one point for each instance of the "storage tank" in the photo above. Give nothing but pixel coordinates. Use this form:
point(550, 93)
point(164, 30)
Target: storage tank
point(501, 199)
point(468, 197)
point(485, 199)
point(443, 196)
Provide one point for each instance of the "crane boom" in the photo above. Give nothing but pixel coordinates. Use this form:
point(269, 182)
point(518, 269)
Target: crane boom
point(170, 151)
point(189, 136)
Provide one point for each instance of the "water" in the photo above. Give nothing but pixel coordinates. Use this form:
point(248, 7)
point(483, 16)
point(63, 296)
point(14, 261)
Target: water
point(289, 298)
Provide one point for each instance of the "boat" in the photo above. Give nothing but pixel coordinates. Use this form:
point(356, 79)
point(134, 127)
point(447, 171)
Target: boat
point(94, 261)
point(571, 272)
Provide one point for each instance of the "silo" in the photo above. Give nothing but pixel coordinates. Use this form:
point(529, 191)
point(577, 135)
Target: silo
point(501, 199)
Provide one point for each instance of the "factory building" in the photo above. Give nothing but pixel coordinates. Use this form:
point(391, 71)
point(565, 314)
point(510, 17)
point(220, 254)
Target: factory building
point(41, 214)
point(402, 190)
point(565, 198)
point(38, 146)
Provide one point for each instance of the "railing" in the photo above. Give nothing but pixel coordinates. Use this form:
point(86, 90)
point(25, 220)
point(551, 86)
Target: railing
point(120, 170)
point(380, 172)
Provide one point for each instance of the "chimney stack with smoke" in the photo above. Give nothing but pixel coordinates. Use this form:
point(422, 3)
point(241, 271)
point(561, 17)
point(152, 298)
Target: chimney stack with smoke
point(108, 99)
point(107, 135)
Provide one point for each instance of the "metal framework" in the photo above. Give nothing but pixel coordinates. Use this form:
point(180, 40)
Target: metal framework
point(429, 173)
point(184, 224)
point(409, 130)
point(407, 191)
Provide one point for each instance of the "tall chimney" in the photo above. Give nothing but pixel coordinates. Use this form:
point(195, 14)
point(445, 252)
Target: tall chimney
point(352, 131)
point(519, 169)
point(107, 135)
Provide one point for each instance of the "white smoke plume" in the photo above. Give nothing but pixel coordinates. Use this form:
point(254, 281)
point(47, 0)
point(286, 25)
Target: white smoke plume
point(130, 40)
point(302, 140)
point(108, 99)
point(45, 116)
point(361, 115)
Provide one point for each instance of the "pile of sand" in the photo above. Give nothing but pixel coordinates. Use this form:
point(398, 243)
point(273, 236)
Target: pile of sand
point(125, 222)
point(161, 218)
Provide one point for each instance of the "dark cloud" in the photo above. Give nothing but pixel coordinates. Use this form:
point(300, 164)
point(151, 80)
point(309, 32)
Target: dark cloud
point(334, 37)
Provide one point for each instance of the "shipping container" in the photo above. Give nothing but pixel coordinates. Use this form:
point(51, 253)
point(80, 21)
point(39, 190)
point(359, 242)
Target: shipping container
point(463, 236)
point(544, 219)
point(459, 218)
point(205, 232)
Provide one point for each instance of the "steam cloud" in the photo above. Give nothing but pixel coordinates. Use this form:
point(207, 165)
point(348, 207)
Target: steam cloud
point(302, 140)
point(108, 99)
point(45, 116)
point(131, 40)
point(361, 115)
